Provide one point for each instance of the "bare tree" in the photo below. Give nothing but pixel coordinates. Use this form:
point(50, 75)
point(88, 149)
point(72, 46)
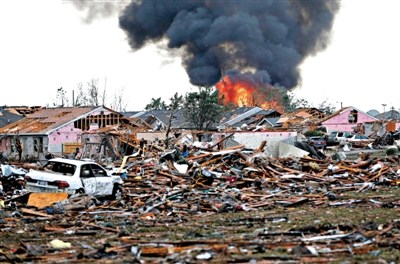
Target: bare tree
point(118, 103)
point(81, 97)
point(93, 95)
point(61, 98)
point(93, 92)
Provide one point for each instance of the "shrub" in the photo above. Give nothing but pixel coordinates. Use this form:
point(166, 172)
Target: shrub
point(391, 150)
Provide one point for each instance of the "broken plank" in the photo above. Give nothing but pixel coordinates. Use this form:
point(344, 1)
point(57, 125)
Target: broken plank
point(36, 213)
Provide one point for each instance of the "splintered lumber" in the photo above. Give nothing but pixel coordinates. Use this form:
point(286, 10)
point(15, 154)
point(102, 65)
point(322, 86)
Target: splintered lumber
point(381, 171)
point(348, 168)
point(172, 177)
point(214, 160)
point(35, 213)
point(221, 140)
point(261, 147)
point(199, 156)
point(102, 227)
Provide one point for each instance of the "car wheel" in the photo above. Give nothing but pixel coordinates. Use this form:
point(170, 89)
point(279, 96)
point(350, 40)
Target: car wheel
point(80, 191)
point(117, 193)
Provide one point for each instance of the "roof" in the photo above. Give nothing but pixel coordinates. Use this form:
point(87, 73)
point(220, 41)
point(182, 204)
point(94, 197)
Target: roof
point(22, 110)
point(6, 117)
point(130, 113)
point(48, 119)
point(340, 111)
point(178, 120)
point(389, 115)
point(244, 115)
point(273, 121)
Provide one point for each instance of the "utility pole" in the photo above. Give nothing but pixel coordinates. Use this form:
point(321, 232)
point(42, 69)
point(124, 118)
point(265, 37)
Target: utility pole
point(383, 114)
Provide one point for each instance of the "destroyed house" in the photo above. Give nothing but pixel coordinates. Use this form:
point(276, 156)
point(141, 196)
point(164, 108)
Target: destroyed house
point(53, 130)
point(392, 115)
point(346, 119)
point(159, 119)
point(114, 141)
point(249, 118)
point(302, 119)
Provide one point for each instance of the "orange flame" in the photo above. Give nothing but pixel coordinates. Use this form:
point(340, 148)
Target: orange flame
point(244, 93)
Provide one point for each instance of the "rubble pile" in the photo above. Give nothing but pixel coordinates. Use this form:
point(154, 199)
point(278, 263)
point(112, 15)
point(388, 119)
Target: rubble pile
point(229, 205)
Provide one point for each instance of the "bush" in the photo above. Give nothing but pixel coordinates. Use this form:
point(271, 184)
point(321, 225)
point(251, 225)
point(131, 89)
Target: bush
point(314, 133)
point(391, 150)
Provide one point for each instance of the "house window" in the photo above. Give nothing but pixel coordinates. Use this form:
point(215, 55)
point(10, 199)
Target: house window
point(38, 144)
point(353, 116)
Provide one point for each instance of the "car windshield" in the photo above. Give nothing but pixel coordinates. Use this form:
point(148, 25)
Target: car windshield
point(60, 167)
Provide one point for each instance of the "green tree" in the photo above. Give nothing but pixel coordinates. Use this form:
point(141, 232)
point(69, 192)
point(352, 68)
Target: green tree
point(156, 104)
point(290, 103)
point(326, 107)
point(202, 108)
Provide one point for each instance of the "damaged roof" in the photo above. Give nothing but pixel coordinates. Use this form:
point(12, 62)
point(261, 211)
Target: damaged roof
point(47, 119)
point(22, 110)
point(247, 115)
point(178, 119)
point(302, 116)
point(7, 117)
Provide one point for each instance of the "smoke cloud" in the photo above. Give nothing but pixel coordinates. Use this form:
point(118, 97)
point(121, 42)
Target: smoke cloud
point(94, 9)
point(267, 40)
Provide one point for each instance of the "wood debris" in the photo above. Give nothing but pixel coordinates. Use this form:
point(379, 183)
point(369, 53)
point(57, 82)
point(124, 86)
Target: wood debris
point(229, 205)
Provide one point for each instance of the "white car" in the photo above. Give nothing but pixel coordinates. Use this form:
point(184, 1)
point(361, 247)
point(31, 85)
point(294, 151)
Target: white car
point(74, 176)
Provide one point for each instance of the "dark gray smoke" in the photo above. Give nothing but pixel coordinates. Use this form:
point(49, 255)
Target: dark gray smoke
point(269, 38)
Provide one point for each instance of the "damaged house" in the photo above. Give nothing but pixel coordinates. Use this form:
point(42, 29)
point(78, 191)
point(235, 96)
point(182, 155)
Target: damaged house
point(53, 130)
point(302, 119)
point(159, 121)
point(347, 119)
point(250, 118)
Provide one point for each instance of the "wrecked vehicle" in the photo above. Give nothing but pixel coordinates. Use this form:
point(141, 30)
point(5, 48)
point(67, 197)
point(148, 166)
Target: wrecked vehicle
point(318, 142)
point(335, 137)
point(74, 176)
point(357, 140)
point(11, 178)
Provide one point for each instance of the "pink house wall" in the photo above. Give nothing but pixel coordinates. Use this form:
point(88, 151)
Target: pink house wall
point(65, 134)
point(69, 134)
point(341, 122)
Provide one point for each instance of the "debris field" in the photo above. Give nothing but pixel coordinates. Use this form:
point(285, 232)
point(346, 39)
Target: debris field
point(234, 205)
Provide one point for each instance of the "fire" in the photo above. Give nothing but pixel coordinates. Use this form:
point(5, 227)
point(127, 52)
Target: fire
point(239, 93)
point(245, 93)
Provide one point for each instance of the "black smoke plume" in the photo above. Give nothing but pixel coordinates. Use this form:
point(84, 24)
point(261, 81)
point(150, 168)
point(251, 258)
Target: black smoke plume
point(220, 37)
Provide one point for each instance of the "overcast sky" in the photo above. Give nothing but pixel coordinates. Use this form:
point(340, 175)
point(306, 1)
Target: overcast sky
point(45, 44)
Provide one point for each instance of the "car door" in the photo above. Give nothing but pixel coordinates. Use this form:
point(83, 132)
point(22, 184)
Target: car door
point(104, 185)
point(88, 179)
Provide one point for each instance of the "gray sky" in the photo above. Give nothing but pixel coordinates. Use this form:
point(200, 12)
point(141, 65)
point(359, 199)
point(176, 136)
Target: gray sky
point(44, 45)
